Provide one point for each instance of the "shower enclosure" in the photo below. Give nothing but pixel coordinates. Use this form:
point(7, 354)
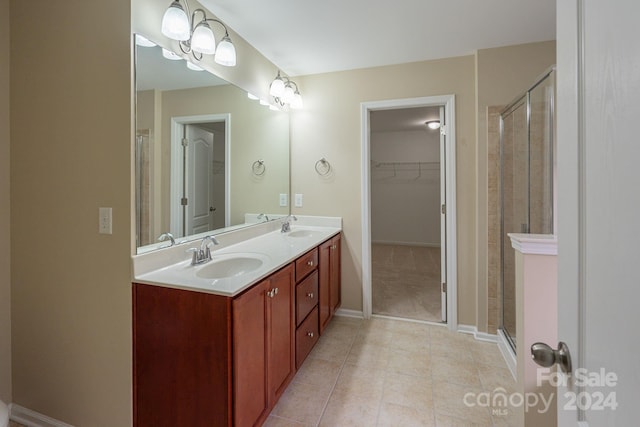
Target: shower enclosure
point(526, 181)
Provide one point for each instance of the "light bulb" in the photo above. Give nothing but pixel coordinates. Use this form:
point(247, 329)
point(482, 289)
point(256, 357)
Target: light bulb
point(194, 67)
point(170, 55)
point(143, 41)
point(226, 54)
point(296, 102)
point(203, 39)
point(175, 23)
point(288, 94)
point(433, 124)
point(277, 87)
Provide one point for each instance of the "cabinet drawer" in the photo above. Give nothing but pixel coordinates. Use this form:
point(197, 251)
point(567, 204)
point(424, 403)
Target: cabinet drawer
point(306, 296)
point(306, 263)
point(306, 337)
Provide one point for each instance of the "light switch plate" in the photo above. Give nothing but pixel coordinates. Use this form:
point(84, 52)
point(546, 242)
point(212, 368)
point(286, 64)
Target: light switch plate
point(104, 221)
point(298, 200)
point(284, 199)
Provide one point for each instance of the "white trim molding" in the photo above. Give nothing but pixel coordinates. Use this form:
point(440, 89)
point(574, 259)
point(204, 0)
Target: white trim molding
point(349, 313)
point(508, 354)
point(30, 418)
point(535, 244)
point(448, 101)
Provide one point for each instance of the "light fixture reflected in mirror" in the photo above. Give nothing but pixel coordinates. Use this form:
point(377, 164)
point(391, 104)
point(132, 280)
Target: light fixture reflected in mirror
point(196, 36)
point(285, 92)
point(433, 124)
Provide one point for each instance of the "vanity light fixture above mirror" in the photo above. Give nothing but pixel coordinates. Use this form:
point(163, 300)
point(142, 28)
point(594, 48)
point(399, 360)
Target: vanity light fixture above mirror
point(283, 92)
point(196, 36)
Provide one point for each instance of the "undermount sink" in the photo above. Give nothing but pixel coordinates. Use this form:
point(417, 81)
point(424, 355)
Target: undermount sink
point(229, 266)
point(300, 233)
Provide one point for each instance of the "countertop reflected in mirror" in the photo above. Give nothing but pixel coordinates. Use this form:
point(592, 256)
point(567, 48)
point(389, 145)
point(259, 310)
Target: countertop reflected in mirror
point(234, 165)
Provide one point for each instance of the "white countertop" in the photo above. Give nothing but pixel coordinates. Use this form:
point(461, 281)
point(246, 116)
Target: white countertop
point(172, 267)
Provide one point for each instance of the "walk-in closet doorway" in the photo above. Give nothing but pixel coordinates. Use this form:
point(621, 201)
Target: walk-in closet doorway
point(406, 262)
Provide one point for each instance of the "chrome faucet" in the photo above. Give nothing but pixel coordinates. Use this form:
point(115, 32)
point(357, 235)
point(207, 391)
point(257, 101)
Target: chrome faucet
point(202, 255)
point(286, 224)
point(165, 236)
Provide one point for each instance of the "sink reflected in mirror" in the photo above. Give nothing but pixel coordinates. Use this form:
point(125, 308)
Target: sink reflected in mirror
point(232, 265)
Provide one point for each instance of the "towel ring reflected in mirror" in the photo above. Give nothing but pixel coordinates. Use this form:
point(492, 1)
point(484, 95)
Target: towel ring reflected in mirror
point(258, 168)
point(323, 167)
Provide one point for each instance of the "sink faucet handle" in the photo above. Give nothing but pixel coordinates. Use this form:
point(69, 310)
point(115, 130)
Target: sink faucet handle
point(195, 256)
point(165, 236)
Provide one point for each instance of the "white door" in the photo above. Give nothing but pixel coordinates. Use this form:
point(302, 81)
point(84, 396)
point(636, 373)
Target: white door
point(598, 174)
point(443, 214)
point(200, 203)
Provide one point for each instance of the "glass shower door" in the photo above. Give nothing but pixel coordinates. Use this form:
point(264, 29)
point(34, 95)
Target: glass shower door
point(514, 153)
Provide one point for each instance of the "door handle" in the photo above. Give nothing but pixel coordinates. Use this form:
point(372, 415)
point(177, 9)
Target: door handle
point(212, 209)
point(546, 356)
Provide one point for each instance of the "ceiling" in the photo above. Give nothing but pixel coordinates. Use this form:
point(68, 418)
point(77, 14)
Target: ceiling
point(311, 37)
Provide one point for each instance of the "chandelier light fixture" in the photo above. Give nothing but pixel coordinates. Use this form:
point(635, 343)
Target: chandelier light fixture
point(196, 36)
point(285, 92)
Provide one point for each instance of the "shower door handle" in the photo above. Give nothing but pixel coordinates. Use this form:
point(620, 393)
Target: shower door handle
point(545, 356)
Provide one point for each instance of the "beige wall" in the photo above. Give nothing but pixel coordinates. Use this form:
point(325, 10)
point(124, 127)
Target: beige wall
point(501, 75)
point(329, 126)
point(5, 227)
point(70, 154)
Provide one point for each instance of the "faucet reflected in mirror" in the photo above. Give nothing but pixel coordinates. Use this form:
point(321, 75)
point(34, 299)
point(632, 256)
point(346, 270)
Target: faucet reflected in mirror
point(191, 185)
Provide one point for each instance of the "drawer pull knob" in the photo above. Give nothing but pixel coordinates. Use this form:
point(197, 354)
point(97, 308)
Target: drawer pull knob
point(310, 334)
point(310, 295)
point(310, 263)
point(334, 247)
point(272, 293)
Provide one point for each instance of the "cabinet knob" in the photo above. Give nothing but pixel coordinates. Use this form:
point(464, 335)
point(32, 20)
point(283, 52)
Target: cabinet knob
point(272, 293)
point(310, 263)
point(334, 247)
point(310, 295)
point(310, 334)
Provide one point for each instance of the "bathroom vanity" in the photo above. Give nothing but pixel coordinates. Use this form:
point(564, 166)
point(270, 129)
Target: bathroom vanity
point(221, 351)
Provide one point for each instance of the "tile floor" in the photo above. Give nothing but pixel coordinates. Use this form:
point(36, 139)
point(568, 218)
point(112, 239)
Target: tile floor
point(382, 372)
point(385, 372)
point(406, 281)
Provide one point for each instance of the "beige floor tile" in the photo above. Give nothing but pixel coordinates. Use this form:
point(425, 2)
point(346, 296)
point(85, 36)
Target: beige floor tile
point(412, 341)
point(405, 390)
point(346, 410)
point(275, 421)
point(485, 353)
point(361, 381)
point(394, 415)
point(343, 331)
point(302, 403)
point(446, 369)
point(417, 363)
point(371, 336)
point(371, 356)
point(493, 377)
point(319, 373)
point(447, 421)
point(331, 349)
point(449, 401)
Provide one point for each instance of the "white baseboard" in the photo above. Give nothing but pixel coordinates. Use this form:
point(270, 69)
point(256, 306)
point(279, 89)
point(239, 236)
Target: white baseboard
point(480, 336)
point(508, 354)
point(31, 418)
point(349, 313)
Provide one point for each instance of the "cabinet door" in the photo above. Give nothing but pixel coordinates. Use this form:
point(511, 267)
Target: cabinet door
point(249, 355)
point(334, 264)
point(324, 288)
point(280, 330)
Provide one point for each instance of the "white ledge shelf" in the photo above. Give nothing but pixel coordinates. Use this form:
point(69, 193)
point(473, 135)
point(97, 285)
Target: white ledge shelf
point(535, 244)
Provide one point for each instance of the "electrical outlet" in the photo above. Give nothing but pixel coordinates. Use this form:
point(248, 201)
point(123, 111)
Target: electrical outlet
point(298, 200)
point(104, 221)
point(284, 199)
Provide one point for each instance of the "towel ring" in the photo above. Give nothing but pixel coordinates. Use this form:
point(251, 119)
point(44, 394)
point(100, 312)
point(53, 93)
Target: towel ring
point(323, 167)
point(258, 168)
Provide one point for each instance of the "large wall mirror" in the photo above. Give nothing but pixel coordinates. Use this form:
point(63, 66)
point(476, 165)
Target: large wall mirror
point(208, 158)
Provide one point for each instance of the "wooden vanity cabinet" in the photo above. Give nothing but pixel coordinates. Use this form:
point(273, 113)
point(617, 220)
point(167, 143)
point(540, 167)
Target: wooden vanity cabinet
point(209, 360)
point(201, 359)
point(263, 347)
point(329, 280)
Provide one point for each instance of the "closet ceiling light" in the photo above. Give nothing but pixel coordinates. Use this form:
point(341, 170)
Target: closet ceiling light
point(433, 124)
point(196, 36)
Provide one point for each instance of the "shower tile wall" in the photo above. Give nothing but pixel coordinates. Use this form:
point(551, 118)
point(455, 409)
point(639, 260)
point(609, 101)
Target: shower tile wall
point(493, 200)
